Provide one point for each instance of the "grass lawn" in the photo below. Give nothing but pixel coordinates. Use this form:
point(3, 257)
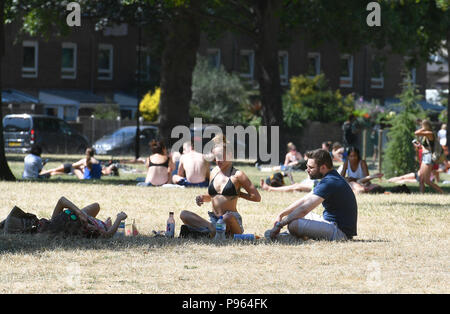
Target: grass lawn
point(402, 244)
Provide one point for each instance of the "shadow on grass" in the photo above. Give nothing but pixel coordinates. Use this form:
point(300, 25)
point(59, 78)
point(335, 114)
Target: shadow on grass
point(110, 180)
point(25, 244)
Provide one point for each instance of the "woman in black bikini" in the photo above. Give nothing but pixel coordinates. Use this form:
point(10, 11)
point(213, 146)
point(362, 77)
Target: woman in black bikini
point(223, 192)
point(159, 165)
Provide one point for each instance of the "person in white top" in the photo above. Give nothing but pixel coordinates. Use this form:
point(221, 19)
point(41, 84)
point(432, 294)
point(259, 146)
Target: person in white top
point(356, 173)
point(33, 164)
point(442, 134)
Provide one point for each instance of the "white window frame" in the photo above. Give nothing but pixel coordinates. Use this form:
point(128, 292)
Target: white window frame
point(377, 82)
point(28, 72)
point(110, 70)
point(215, 51)
point(316, 56)
point(73, 46)
point(251, 55)
point(284, 79)
point(347, 81)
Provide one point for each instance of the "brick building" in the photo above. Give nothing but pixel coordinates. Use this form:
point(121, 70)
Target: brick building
point(71, 75)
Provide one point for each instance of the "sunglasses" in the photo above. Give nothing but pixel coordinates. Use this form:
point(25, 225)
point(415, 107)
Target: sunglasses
point(72, 215)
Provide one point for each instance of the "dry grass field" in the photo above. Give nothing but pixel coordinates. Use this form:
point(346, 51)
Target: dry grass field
point(402, 245)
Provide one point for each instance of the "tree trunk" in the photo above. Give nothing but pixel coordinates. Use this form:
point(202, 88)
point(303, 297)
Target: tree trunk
point(178, 63)
point(448, 95)
point(5, 171)
point(267, 66)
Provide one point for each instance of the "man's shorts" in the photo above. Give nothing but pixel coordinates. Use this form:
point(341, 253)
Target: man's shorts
point(213, 218)
point(186, 183)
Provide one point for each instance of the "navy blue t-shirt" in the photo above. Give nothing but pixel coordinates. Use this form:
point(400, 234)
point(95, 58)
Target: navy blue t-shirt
point(339, 202)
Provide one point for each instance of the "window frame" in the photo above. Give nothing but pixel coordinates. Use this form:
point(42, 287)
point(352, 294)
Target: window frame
point(342, 79)
point(66, 45)
point(27, 71)
point(251, 54)
point(216, 51)
point(316, 56)
point(377, 82)
point(110, 70)
point(284, 78)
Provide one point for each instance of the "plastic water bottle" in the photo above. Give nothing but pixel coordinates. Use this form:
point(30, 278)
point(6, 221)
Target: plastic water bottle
point(221, 227)
point(170, 228)
point(121, 230)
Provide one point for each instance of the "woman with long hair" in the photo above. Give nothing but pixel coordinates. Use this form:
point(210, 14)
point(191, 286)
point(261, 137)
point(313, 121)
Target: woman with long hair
point(224, 190)
point(159, 165)
point(356, 172)
point(427, 139)
point(85, 168)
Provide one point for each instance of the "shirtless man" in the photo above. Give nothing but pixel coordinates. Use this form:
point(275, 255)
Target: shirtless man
point(193, 169)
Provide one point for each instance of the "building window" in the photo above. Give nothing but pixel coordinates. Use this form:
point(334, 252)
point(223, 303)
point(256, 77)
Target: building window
point(30, 59)
point(283, 58)
point(346, 76)
point(105, 62)
point(69, 61)
point(246, 64)
point(144, 71)
point(377, 72)
point(313, 64)
point(213, 56)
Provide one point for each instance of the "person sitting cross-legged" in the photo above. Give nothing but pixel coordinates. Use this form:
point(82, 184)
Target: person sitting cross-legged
point(339, 221)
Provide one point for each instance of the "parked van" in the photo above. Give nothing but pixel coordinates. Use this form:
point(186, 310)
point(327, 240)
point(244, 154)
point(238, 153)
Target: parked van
point(54, 135)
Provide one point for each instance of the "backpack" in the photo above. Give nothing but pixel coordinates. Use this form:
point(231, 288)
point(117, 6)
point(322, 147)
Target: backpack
point(437, 153)
point(19, 222)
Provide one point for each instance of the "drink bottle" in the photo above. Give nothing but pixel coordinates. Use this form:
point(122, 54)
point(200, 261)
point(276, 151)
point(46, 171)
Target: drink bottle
point(170, 229)
point(221, 227)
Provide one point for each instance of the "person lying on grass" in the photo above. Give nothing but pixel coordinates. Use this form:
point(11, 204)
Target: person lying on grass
point(340, 208)
point(68, 219)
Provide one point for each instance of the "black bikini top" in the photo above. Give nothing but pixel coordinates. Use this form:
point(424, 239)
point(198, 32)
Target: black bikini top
point(228, 190)
point(164, 164)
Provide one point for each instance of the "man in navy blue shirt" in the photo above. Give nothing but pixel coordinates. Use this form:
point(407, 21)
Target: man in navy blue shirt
point(333, 192)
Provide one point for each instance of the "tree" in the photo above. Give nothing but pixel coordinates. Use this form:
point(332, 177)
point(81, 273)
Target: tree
point(5, 171)
point(399, 154)
point(418, 28)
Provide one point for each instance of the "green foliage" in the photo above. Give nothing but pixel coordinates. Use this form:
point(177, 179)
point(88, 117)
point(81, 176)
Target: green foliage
point(110, 112)
point(399, 155)
point(217, 96)
point(310, 99)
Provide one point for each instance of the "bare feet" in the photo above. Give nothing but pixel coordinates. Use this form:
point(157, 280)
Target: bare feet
point(264, 186)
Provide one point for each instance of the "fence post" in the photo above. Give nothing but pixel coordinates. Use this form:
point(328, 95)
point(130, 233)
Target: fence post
point(92, 129)
point(380, 148)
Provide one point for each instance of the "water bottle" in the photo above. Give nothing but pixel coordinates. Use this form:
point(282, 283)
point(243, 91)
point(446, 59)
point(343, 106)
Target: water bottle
point(221, 227)
point(170, 228)
point(121, 230)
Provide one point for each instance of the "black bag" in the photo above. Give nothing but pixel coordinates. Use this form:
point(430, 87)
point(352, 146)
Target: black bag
point(401, 189)
point(19, 222)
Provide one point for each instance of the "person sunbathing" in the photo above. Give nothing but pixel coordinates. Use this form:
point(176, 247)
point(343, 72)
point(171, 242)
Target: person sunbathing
point(68, 219)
